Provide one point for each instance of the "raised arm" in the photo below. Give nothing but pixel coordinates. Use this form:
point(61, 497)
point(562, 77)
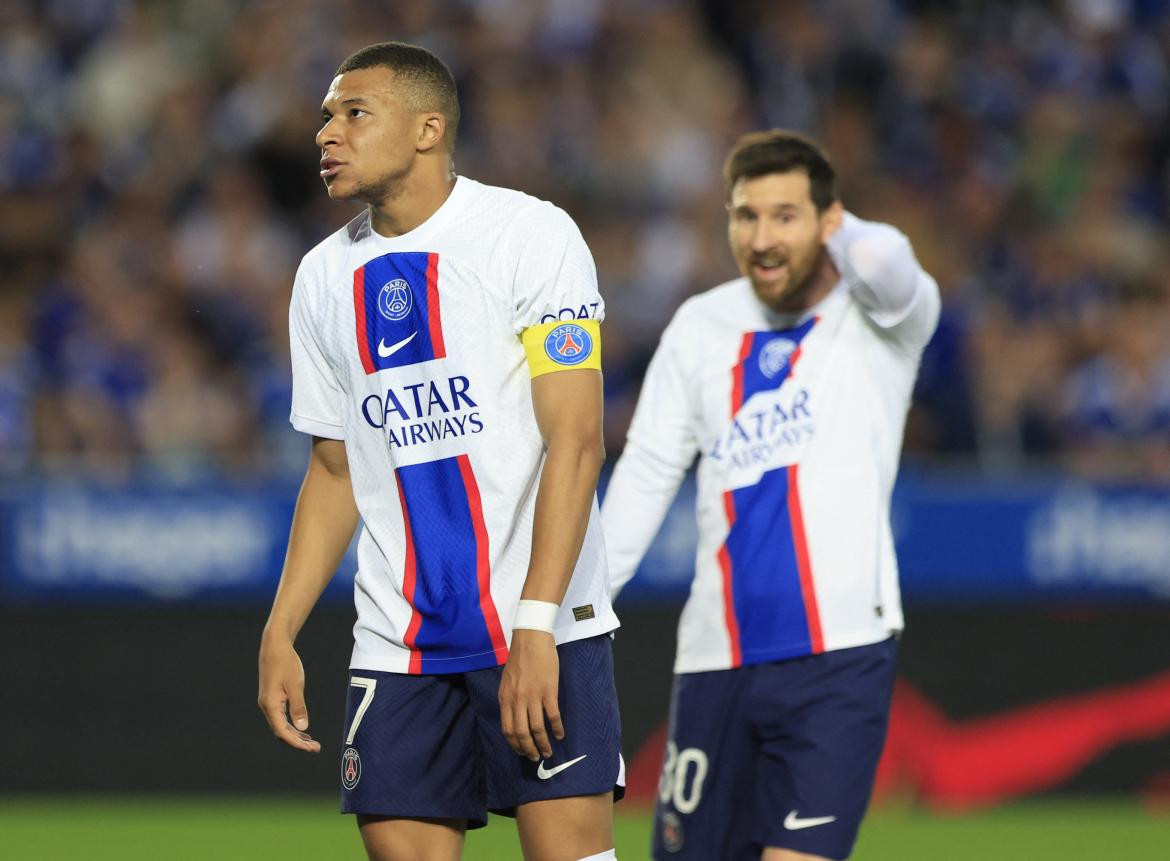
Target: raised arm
point(323, 525)
point(878, 263)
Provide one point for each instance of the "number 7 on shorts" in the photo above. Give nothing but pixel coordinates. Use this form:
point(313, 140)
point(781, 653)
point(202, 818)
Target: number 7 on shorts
point(367, 698)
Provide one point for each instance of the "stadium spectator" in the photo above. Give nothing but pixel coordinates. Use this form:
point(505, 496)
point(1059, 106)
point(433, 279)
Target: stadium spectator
point(1024, 149)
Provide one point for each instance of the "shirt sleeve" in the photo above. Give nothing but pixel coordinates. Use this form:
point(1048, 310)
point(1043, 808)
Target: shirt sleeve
point(660, 447)
point(562, 346)
point(316, 395)
point(878, 264)
point(555, 279)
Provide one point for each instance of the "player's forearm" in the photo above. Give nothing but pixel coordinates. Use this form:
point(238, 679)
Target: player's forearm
point(879, 266)
point(323, 524)
point(564, 500)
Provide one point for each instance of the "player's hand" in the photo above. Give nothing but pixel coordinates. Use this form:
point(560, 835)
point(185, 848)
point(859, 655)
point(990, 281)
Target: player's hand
point(282, 694)
point(528, 694)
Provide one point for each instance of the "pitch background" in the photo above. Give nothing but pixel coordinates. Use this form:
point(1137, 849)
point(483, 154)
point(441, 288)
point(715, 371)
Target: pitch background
point(137, 829)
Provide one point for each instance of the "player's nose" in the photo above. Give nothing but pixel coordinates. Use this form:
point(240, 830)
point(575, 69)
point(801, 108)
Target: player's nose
point(329, 135)
point(763, 238)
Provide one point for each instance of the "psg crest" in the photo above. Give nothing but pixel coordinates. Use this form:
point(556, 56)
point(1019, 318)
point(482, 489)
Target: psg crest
point(351, 768)
point(672, 832)
point(775, 355)
point(568, 344)
point(395, 300)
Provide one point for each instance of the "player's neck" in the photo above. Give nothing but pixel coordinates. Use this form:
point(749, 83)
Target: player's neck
point(417, 199)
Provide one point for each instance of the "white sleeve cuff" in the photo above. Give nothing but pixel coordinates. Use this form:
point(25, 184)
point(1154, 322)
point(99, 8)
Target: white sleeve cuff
point(316, 427)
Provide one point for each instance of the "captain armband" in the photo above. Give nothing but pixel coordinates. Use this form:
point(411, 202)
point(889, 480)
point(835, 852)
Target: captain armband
point(562, 346)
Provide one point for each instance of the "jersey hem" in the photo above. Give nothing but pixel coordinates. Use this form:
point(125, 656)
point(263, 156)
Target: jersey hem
point(581, 631)
point(400, 662)
point(706, 665)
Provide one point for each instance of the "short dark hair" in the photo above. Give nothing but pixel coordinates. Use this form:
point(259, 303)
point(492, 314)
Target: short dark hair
point(430, 84)
point(781, 151)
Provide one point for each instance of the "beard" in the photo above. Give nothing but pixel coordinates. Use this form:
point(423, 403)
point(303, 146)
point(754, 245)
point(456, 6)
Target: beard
point(794, 293)
point(383, 189)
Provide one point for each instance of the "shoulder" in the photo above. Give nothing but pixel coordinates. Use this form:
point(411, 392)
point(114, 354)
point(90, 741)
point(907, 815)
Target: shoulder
point(737, 292)
point(518, 213)
point(336, 246)
point(504, 203)
point(729, 299)
point(722, 308)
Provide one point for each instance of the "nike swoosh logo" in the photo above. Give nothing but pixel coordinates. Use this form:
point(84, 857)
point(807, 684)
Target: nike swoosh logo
point(386, 352)
point(545, 773)
point(1092, 723)
point(793, 823)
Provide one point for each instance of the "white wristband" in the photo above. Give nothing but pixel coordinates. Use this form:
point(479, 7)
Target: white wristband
point(536, 616)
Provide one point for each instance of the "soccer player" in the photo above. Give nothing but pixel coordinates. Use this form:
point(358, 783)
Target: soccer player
point(446, 361)
point(791, 384)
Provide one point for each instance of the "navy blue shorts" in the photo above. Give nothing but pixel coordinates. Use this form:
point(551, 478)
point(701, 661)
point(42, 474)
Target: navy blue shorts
point(431, 746)
point(777, 754)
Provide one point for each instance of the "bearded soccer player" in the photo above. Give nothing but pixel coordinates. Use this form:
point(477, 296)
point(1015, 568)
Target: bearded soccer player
point(791, 385)
point(446, 362)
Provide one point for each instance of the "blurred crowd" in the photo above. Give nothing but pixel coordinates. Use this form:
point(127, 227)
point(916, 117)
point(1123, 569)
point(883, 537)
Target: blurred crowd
point(158, 185)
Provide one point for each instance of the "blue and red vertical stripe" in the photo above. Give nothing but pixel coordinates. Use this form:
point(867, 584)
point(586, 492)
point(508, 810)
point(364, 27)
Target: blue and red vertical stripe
point(770, 605)
point(454, 626)
point(396, 310)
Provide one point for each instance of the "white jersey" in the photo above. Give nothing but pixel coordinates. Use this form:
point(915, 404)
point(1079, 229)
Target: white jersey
point(797, 421)
point(409, 350)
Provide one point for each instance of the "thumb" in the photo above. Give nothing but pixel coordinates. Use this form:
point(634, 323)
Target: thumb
point(297, 710)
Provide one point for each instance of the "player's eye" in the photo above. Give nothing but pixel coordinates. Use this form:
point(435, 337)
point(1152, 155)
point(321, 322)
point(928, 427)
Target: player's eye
point(357, 112)
point(743, 216)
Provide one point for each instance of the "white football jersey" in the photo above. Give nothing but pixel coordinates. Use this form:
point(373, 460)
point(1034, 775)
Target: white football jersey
point(409, 350)
point(797, 421)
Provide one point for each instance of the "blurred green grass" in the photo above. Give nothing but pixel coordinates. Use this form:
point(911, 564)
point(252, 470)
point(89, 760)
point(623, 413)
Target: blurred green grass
point(97, 828)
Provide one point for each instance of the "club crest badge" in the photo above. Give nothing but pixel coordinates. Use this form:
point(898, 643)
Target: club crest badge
point(351, 768)
point(569, 344)
point(395, 300)
point(671, 832)
point(774, 357)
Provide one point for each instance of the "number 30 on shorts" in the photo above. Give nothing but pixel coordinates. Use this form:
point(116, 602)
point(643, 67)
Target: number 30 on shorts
point(683, 773)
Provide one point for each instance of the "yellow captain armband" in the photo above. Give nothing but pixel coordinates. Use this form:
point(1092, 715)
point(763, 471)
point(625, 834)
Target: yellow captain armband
point(562, 346)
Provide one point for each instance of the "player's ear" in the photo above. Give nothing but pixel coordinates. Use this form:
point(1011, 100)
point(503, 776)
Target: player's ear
point(831, 219)
point(432, 128)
